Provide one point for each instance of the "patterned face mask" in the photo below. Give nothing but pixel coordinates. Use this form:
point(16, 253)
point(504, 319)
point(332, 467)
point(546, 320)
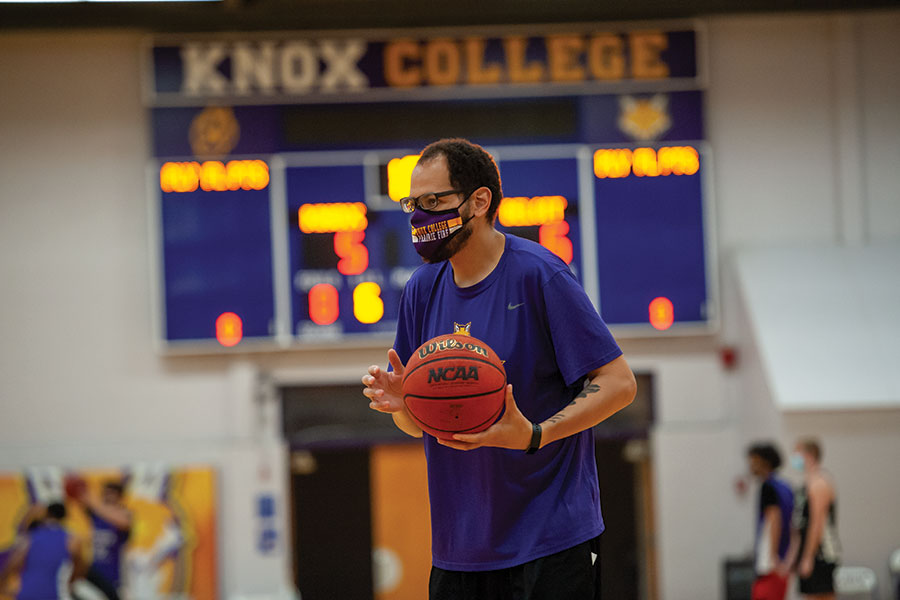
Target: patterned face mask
point(432, 229)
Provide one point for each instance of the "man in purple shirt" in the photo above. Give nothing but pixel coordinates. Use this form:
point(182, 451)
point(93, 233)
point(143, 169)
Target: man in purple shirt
point(516, 508)
point(773, 522)
point(42, 556)
point(111, 521)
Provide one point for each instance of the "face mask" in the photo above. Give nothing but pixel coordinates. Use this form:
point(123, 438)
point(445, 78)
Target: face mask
point(433, 229)
point(797, 461)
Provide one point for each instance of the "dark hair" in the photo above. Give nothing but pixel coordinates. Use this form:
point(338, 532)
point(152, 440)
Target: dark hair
point(56, 510)
point(115, 486)
point(470, 167)
point(767, 452)
point(812, 447)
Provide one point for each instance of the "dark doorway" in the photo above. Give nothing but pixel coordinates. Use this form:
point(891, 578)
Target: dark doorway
point(618, 551)
point(624, 470)
point(332, 524)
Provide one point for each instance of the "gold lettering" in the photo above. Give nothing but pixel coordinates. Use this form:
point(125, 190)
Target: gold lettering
point(646, 47)
point(442, 62)
point(563, 54)
point(519, 70)
point(606, 57)
point(476, 70)
point(398, 70)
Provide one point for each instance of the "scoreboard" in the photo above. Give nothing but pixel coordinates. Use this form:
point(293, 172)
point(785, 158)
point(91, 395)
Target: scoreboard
point(277, 223)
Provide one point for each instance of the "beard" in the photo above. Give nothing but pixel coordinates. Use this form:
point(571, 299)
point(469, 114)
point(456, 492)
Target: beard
point(453, 245)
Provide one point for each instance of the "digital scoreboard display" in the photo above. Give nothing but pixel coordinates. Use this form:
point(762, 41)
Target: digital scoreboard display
point(272, 233)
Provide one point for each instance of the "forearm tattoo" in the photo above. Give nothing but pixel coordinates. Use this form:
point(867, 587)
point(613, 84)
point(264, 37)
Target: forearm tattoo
point(588, 389)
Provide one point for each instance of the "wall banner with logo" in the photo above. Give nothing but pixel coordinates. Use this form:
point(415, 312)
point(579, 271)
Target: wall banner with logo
point(170, 549)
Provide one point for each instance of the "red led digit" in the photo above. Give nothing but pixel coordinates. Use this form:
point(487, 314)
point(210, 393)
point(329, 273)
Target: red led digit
point(552, 236)
point(323, 304)
point(229, 329)
point(349, 247)
point(662, 313)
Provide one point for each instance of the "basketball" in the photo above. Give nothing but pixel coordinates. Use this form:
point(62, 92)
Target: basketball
point(74, 486)
point(454, 384)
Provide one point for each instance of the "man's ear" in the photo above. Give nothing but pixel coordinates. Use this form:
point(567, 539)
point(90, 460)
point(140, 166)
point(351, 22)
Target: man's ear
point(481, 201)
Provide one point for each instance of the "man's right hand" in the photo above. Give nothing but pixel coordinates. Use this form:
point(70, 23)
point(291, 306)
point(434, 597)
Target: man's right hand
point(383, 387)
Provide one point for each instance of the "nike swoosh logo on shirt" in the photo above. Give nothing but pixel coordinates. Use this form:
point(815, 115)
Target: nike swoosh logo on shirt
point(512, 306)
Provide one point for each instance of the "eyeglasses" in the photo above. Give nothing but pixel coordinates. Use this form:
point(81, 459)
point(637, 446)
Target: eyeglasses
point(428, 201)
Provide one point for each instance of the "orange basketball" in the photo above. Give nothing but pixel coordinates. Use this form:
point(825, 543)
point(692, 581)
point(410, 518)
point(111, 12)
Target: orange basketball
point(74, 486)
point(454, 384)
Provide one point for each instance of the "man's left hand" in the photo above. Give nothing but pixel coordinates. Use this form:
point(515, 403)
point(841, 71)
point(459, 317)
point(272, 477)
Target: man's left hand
point(805, 568)
point(512, 431)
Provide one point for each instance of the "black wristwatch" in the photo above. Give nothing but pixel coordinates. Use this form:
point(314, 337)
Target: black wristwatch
point(535, 439)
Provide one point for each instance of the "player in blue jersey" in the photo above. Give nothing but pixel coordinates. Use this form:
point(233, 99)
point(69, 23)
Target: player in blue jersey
point(111, 522)
point(42, 557)
point(773, 523)
point(515, 510)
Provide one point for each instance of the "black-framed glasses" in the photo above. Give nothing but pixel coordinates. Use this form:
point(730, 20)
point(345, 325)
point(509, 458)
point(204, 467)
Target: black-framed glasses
point(428, 201)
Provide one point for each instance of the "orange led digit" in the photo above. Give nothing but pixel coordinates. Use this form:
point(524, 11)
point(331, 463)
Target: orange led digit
point(662, 313)
point(229, 329)
point(214, 176)
point(678, 160)
point(354, 256)
point(518, 211)
point(332, 217)
point(323, 304)
point(613, 163)
point(399, 171)
point(552, 236)
point(646, 162)
point(368, 307)
point(179, 177)
point(253, 174)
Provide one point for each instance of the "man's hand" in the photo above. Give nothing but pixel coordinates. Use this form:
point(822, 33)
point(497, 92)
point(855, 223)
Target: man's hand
point(385, 394)
point(805, 568)
point(783, 569)
point(512, 431)
point(383, 387)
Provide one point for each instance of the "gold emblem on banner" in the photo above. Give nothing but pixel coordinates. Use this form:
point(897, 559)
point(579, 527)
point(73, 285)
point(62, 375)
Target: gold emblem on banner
point(644, 119)
point(214, 132)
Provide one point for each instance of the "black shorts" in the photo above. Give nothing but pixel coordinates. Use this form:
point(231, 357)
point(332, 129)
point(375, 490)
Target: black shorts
point(820, 581)
point(572, 574)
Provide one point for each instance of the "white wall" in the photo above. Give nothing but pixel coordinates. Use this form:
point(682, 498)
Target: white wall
point(769, 123)
point(80, 383)
point(803, 116)
point(879, 85)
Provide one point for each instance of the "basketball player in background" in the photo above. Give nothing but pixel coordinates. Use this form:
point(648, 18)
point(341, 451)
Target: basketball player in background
point(515, 509)
point(815, 549)
point(41, 557)
point(773, 524)
point(111, 522)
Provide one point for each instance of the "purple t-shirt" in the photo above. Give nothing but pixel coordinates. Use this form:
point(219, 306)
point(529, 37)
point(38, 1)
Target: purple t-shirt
point(109, 541)
point(48, 551)
point(493, 508)
point(775, 492)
